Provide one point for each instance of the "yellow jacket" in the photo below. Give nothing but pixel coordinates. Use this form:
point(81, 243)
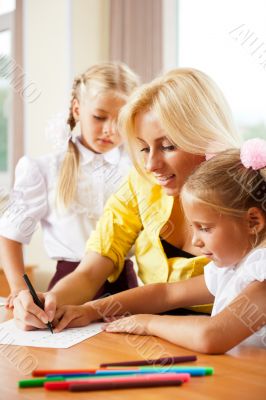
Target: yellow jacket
point(136, 215)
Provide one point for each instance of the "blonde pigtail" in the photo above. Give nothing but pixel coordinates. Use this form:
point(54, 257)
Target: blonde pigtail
point(68, 174)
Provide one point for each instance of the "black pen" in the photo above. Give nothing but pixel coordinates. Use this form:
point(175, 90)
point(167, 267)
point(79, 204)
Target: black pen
point(36, 299)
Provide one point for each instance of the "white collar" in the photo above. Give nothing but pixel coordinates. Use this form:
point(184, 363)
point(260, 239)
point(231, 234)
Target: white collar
point(112, 157)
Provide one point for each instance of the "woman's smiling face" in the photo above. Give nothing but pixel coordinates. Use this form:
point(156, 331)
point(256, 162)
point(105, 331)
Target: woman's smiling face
point(169, 165)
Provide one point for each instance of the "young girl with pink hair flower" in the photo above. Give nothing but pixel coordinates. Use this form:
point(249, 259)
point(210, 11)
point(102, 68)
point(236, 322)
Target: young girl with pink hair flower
point(225, 203)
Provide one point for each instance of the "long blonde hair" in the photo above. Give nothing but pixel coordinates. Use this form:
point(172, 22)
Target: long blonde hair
point(227, 186)
point(107, 76)
point(190, 108)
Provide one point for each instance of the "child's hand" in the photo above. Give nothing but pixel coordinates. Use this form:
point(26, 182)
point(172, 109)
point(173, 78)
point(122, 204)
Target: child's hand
point(71, 316)
point(28, 315)
point(113, 318)
point(11, 298)
point(137, 324)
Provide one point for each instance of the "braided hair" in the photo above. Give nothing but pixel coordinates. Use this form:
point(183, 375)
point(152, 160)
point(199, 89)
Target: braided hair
point(108, 76)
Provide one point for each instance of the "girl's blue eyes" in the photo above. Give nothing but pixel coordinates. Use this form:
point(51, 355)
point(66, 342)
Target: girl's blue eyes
point(163, 148)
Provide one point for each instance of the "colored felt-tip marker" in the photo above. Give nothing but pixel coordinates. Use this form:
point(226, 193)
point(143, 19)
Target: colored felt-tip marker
point(35, 298)
point(193, 370)
point(184, 377)
point(116, 383)
point(162, 361)
point(44, 372)
point(40, 381)
point(196, 371)
point(37, 382)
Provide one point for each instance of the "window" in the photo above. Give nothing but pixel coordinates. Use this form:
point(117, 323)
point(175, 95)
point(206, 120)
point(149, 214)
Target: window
point(11, 85)
point(227, 40)
point(6, 96)
point(5, 46)
point(7, 6)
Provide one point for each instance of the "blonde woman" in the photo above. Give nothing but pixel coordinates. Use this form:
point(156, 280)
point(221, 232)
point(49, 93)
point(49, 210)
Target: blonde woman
point(225, 203)
point(66, 191)
point(170, 124)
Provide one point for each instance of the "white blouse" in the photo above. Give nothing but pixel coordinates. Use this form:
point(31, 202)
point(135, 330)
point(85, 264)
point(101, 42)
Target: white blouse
point(226, 283)
point(33, 199)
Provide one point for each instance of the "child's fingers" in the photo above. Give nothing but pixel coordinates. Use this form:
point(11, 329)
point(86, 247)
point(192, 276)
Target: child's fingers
point(121, 325)
point(114, 328)
point(133, 324)
point(11, 298)
point(111, 319)
point(9, 302)
point(33, 325)
point(26, 320)
point(59, 313)
point(71, 317)
point(55, 322)
point(26, 310)
point(66, 318)
point(50, 305)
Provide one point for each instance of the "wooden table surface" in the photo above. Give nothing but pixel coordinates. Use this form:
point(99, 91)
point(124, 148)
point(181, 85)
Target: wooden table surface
point(241, 374)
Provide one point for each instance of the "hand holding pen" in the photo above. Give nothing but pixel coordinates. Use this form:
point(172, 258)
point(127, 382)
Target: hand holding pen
point(36, 299)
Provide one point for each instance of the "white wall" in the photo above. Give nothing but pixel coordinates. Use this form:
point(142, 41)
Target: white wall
point(61, 38)
point(90, 33)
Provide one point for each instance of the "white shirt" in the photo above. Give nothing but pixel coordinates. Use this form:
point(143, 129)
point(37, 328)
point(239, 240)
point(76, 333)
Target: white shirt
point(33, 200)
point(226, 283)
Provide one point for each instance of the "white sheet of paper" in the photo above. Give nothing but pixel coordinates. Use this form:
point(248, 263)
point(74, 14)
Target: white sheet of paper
point(10, 334)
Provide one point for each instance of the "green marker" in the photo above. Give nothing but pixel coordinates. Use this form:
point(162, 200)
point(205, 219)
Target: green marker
point(37, 382)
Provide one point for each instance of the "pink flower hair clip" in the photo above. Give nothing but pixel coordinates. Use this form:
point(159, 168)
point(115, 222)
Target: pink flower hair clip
point(253, 154)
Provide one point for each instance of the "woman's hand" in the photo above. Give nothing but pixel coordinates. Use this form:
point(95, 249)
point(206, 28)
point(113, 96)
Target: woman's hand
point(72, 316)
point(28, 316)
point(137, 324)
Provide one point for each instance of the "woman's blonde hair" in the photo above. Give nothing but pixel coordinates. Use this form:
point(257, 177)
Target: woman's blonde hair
point(227, 186)
point(191, 110)
point(106, 76)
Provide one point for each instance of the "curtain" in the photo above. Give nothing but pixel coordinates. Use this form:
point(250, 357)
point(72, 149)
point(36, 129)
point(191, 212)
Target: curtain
point(136, 35)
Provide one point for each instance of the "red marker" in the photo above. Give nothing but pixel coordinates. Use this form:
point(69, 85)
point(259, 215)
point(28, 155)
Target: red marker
point(147, 380)
point(44, 372)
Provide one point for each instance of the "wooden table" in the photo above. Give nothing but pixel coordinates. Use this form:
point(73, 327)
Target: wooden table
point(238, 375)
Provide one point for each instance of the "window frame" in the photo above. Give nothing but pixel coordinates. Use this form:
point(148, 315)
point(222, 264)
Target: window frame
point(13, 21)
point(6, 24)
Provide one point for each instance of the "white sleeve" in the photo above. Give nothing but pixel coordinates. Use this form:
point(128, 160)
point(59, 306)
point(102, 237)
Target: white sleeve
point(211, 277)
point(255, 266)
point(27, 203)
